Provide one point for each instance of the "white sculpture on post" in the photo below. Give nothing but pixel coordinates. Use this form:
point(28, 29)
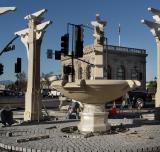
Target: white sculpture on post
point(155, 29)
point(100, 54)
point(32, 39)
point(98, 26)
point(4, 10)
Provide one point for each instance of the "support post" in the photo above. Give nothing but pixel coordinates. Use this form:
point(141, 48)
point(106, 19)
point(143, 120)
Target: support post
point(32, 39)
point(154, 28)
point(33, 103)
point(100, 55)
point(157, 97)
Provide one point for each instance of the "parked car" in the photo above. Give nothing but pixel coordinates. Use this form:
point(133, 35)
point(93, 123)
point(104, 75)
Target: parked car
point(7, 93)
point(44, 92)
point(137, 97)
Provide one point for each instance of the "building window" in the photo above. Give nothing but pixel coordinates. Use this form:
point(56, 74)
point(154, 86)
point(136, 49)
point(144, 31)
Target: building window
point(121, 73)
point(80, 71)
point(109, 72)
point(88, 72)
point(140, 76)
point(133, 74)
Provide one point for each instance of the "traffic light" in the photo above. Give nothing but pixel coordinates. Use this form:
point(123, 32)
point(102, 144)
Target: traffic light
point(1, 69)
point(65, 44)
point(57, 55)
point(18, 66)
point(78, 41)
point(49, 54)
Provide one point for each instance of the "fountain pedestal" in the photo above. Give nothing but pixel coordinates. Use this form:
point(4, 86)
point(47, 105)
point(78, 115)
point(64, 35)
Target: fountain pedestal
point(94, 118)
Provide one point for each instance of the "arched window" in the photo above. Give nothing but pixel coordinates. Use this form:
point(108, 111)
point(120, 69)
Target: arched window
point(88, 72)
point(80, 71)
point(121, 73)
point(133, 74)
point(65, 76)
point(140, 76)
point(109, 72)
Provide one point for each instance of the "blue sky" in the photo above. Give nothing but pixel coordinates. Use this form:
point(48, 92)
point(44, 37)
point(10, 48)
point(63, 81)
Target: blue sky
point(126, 12)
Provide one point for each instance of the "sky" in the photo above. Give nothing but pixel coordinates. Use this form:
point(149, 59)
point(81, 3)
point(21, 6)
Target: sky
point(128, 13)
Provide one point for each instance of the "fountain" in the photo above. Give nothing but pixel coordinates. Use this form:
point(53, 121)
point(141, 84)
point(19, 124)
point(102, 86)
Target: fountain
point(94, 94)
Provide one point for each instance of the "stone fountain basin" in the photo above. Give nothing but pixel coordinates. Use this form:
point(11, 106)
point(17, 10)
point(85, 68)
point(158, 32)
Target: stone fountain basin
point(94, 94)
point(95, 91)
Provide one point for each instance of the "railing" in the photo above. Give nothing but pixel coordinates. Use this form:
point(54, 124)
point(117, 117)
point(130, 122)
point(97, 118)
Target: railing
point(125, 49)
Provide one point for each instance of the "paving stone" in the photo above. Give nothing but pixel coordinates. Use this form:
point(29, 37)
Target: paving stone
point(34, 150)
point(29, 150)
point(24, 149)
point(9, 147)
point(57, 142)
point(5, 146)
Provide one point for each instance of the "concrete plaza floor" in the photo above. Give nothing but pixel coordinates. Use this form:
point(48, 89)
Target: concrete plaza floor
point(129, 133)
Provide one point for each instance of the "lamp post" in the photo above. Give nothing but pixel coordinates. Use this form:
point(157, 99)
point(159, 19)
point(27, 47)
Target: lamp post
point(155, 30)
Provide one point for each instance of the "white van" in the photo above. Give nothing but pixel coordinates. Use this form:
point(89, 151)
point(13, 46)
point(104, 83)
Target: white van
point(54, 93)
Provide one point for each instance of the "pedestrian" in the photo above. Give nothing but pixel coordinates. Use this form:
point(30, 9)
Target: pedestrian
point(123, 104)
point(7, 116)
point(73, 111)
point(124, 101)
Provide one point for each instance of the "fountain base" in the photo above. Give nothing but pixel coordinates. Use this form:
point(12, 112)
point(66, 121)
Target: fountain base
point(94, 119)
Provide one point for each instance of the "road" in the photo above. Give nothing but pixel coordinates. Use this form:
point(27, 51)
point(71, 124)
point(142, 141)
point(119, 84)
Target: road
point(18, 102)
point(149, 104)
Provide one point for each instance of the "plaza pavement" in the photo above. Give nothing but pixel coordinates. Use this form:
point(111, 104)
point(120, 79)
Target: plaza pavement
point(129, 133)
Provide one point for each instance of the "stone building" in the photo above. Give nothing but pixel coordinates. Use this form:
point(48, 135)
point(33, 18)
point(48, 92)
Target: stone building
point(101, 61)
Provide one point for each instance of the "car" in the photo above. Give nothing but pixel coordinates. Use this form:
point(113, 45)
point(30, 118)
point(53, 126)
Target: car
point(44, 92)
point(7, 93)
point(139, 97)
point(136, 98)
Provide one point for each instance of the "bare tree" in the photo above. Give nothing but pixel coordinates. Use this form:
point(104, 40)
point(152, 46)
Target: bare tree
point(45, 82)
point(21, 82)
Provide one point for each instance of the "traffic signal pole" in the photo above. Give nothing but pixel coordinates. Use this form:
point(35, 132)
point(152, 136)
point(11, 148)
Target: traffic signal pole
point(74, 26)
point(8, 45)
point(76, 48)
point(72, 54)
point(6, 49)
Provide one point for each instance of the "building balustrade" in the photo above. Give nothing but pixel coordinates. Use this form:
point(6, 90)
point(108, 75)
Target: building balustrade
point(125, 49)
